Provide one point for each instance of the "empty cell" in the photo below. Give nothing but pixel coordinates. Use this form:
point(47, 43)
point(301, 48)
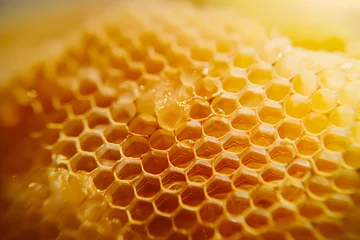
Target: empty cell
point(263, 135)
point(178, 236)
point(199, 109)
point(316, 123)
point(245, 179)
point(327, 162)
point(207, 87)
point(299, 168)
point(270, 112)
point(290, 129)
point(87, 86)
point(108, 155)
point(219, 187)
point(90, 141)
point(193, 196)
point(128, 169)
point(287, 66)
point(238, 202)
point(66, 148)
point(297, 106)
point(160, 226)
point(343, 116)
point(191, 130)
point(141, 210)
point(83, 162)
point(155, 162)
point(278, 89)
point(305, 83)
point(252, 96)
point(224, 47)
point(244, 119)
point(185, 219)
point(143, 124)
point(115, 133)
point(336, 139)
point(210, 212)
point(154, 65)
point(49, 136)
point(147, 187)
point(98, 120)
point(331, 78)
point(311, 209)
point(224, 104)
point(167, 202)
point(339, 203)
point(346, 180)
point(308, 145)
point(348, 94)
point(292, 190)
point(162, 139)
point(120, 194)
point(284, 214)
point(173, 180)
point(203, 233)
point(323, 100)
point(260, 73)
point(319, 186)
point(104, 99)
point(257, 219)
point(226, 163)
point(103, 179)
point(352, 156)
point(135, 146)
point(329, 228)
point(229, 228)
point(200, 171)
point(57, 116)
point(201, 54)
point(74, 127)
point(216, 126)
point(181, 155)
point(273, 172)
point(274, 235)
point(122, 111)
point(264, 197)
point(302, 233)
point(282, 152)
point(246, 57)
point(207, 147)
point(235, 81)
point(235, 141)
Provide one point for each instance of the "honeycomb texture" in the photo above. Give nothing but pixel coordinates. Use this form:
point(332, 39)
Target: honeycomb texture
point(162, 120)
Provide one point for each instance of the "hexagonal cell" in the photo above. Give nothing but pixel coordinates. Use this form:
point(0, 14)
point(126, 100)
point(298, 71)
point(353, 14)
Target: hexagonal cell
point(254, 157)
point(178, 236)
point(224, 104)
point(287, 66)
point(207, 147)
point(116, 133)
point(290, 128)
point(308, 145)
point(292, 190)
point(49, 136)
point(74, 127)
point(245, 58)
point(302, 233)
point(87, 86)
point(244, 119)
point(226, 163)
point(201, 54)
point(143, 124)
point(104, 99)
point(305, 83)
point(252, 96)
point(339, 203)
point(200, 171)
point(351, 156)
point(264, 197)
point(297, 106)
point(348, 93)
point(207, 87)
point(284, 214)
point(324, 100)
point(155, 162)
point(210, 212)
point(299, 168)
point(273, 172)
point(238, 202)
point(57, 116)
point(80, 107)
point(181, 155)
point(122, 111)
point(330, 228)
point(83, 162)
point(160, 226)
point(66, 148)
point(173, 179)
point(135, 146)
point(260, 73)
point(282, 152)
point(154, 65)
point(167, 202)
point(199, 109)
point(90, 141)
point(114, 219)
point(316, 123)
point(278, 89)
point(245, 179)
point(135, 231)
point(235, 81)
point(343, 116)
point(103, 179)
point(193, 196)
point(347, 180)
point(120, 194)
point(147, 186)
point(229, 228)
point(191, 130)
point(108, 154)
point(257, 219)
point(216, 126)
point(311, 209)
point(331, 78)
point(162, 139)
point(270, 112)
point(327, 162)
point(128, 169)
point(263, 135)
point(336, 139)
point(98, 120)
point(319, 186)
point(141, 210)
point(185, 219)
point(219, 187)
point(274, 235)
point(235, 141)
point(203, 233)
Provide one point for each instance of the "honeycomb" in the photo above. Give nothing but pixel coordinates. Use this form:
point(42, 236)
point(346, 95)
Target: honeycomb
point(166, 120)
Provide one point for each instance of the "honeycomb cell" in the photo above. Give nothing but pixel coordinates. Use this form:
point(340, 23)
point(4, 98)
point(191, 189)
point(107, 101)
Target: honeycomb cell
point(49, 136)
point(235, 81)
point(199, 172)
point(273, 234)
point(74, 128)
point(244, 119)
point(287, 66)
point(346, 180)
point(311, 209)
point(191, 130)
point(327, 162)
point(143, 124)
point(210, 212)
point(154, 162)
point(297, 106)
point(229, 228)
point(308, 145)
point(103, 100)
point(173, 180)
point(147, 186)
point(97, 120)
point(238, 202)
point(170, 113)
point(178, 236)
point(226, 163)
point(207, 147)
point(207, 87)
point(193, 196)
point(339, 203)
point(254, 157)
point(245, 179)
point(270, 112)
point(90, 141)
point(273, 172)
point(181, 155)
point(257, 219)
point(299, 168)
point(343, 116)
point(161, 139)
point(159, 226)
point(224, 104)
point(284, 214)
point(292, 190)
point(58, 116)
point(199, 109)
point(351, 156)
point(282, 152)
point(263, 135)
point(123, 111)
point(141, 210)
point(116, 133)
point(108, 155)
point(201, 54)
point(120, 194)
point(185, 219)
point(331, 79)
point(264, 197)
point(260, 73)
point(135, 146)
point(278, 89)
point(290, 129)
point(128, 169)
point(316, 123)
point(219, 187)
point(302, 233)
point(348, 93)
point(324, 100)
point(65, 148)
point(103, 179)
point(305, 83)
point(83, 162)
point(203, 233)
point(252, 96)
point(335, 139)
point(216, 126)
point(154, 65)
point(329, 228)
point(87, 86)
point(246, 57)
point(319, 186)
point(235, 141)
point(167, 202)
